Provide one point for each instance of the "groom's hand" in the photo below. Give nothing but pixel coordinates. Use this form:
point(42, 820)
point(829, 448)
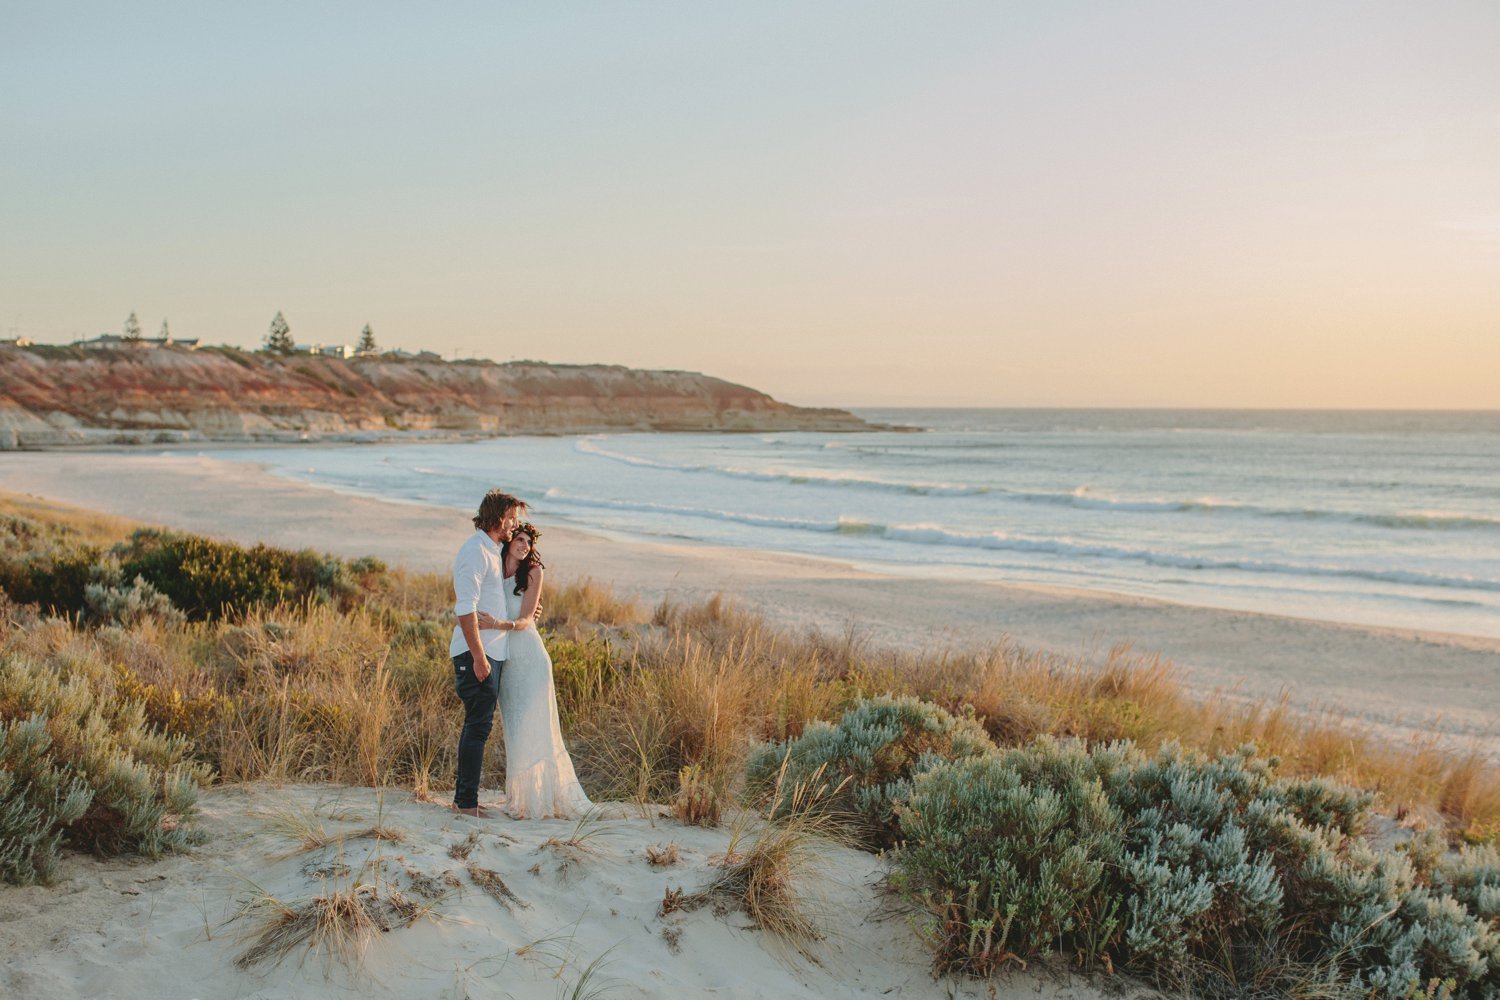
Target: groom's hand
point(536, 615)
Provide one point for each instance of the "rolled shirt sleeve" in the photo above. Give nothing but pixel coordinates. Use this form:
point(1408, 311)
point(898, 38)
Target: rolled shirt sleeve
point(468, 574)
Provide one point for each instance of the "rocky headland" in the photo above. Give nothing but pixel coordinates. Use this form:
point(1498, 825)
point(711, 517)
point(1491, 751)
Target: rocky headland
point(54, 397)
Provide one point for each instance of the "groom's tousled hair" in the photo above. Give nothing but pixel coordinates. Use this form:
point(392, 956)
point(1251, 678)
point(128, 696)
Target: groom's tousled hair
point(493, 508)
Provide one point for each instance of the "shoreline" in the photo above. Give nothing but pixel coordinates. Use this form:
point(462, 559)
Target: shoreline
point(1409, 684)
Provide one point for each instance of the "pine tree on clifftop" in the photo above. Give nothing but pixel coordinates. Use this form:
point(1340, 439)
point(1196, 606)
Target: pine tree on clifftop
point(132, 328)
point(366, 342)
point(279, 340)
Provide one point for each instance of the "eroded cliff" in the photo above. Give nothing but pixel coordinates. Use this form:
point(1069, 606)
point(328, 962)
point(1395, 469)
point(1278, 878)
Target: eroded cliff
point(52, 397)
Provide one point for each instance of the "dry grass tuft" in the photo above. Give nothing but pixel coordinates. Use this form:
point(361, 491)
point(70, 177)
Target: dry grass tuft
point(769, 874)
point(697, 802)
point(387, 833)
point(306, 830)
point(672, 900)
point(662, 857)
point(588, 602)
point(341, 923)
point(461, 850)
point(494, 886)
point(301, 826)
point(588, 827)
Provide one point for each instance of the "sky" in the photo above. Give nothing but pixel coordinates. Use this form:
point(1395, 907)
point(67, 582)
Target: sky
point(1267, 204)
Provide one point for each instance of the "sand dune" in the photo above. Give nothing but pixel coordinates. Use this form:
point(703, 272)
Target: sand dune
point(170, 928)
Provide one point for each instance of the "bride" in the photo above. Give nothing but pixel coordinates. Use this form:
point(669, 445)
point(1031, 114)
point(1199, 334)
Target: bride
point(539, 778)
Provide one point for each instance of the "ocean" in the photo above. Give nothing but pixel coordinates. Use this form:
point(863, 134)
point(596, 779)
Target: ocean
point(1379, 518)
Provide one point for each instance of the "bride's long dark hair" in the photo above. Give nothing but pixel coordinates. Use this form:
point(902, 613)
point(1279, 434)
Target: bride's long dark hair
point(533, 558)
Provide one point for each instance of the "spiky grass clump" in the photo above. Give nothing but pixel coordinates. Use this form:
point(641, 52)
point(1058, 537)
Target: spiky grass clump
point(770, 871)
point(341, 922)
point(697, 802)
point(307, 831)
point(580, 841)
point(586, 602)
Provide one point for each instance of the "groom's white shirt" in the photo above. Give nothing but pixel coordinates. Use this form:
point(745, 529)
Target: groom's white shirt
point(479, 585)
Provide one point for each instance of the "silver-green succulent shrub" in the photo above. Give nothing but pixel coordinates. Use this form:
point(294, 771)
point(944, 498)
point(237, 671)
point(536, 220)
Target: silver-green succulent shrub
point(1172, 861)
point(38, 801)
point(88, 770)
point(1010, 855)
point(865, 762)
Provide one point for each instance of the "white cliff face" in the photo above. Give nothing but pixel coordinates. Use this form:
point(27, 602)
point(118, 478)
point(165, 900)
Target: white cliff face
point(61, 396)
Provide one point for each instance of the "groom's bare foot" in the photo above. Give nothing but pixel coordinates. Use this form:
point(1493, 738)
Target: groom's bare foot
point(475, 811)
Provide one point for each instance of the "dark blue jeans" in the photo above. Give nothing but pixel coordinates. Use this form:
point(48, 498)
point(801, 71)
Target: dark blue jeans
point(479, 699)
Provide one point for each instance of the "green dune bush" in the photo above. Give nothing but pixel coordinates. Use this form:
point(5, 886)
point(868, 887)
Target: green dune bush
point(45, 564)
point(38, 801)
point(108, 600)
point(158, 573)
point(868, 759)
point(1202, 872)
point(1010, 854)
point(83, 768)
point(203, 578)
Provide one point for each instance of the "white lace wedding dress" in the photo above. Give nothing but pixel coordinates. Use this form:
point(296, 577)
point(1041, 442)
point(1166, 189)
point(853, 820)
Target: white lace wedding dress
point(539, 778)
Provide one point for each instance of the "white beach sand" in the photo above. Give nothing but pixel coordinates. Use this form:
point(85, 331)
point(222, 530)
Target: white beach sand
point(168, 929)
point(1409, 685)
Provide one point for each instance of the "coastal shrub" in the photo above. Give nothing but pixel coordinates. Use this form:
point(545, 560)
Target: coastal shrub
point(1010, 855)
point(45, 564)
point(38, 800)
point(1364, 914)
point(1187, 868)
point(868, 759)
point(143, 783)
point(1389, 934)
point(204, 577)
point(1192, 872)
point(153, 570)
point(1473, 878)
point(108, 601)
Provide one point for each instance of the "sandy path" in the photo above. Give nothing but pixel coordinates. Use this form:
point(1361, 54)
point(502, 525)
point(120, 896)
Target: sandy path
point(1403, 682)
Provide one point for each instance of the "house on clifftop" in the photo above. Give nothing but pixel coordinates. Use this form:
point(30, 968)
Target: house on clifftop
point(115, 342)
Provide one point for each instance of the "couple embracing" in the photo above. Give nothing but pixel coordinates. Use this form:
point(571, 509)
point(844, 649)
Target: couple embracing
point(499, 658)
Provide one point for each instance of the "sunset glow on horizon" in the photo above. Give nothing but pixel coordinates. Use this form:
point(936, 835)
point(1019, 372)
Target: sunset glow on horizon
point(1168, 204)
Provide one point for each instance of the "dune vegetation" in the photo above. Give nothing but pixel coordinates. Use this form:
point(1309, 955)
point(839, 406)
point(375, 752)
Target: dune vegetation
point(1032, 807)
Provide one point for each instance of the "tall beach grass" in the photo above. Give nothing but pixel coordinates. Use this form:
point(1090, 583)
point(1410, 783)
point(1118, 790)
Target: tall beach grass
point(348, 682)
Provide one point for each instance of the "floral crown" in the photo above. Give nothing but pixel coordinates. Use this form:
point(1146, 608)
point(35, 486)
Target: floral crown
point(527, 528)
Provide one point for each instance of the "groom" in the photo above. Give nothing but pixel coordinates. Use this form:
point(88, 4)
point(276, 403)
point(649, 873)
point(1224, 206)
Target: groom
point(478, 585)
